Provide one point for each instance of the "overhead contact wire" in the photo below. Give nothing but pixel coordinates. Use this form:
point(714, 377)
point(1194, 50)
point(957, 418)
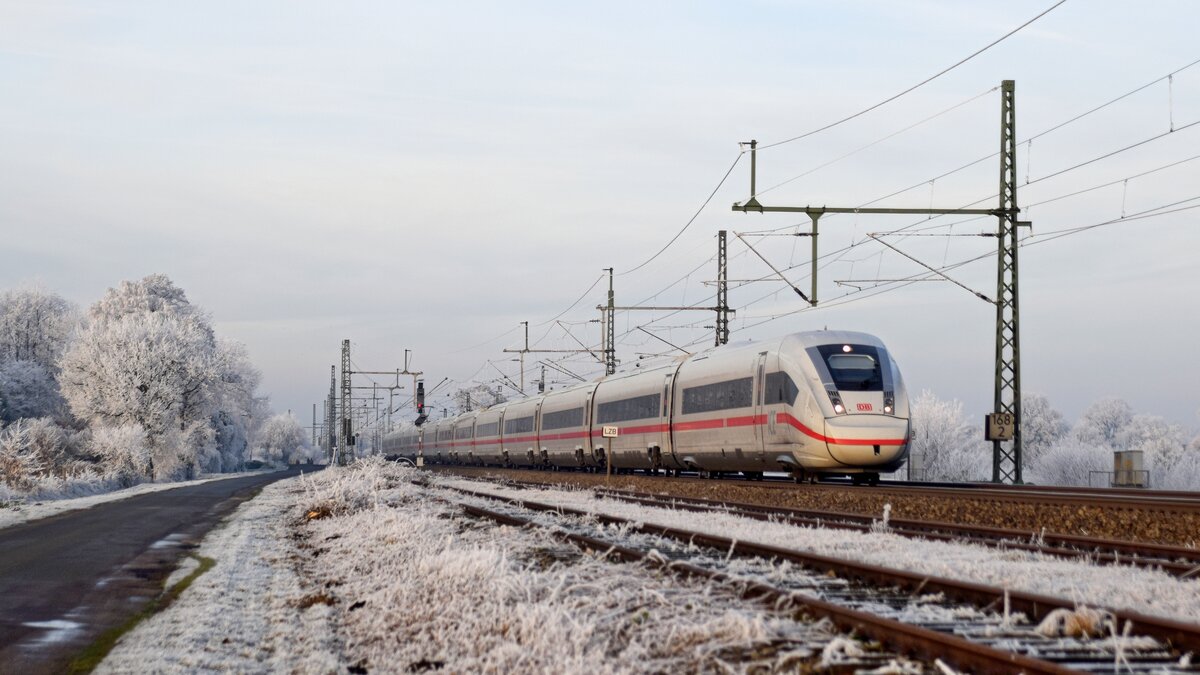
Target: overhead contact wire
point(918, 85)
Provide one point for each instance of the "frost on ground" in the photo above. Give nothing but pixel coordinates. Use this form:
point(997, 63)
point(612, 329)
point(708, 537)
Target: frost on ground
point(1114, 586)
point(17, 512)
point(363, 569)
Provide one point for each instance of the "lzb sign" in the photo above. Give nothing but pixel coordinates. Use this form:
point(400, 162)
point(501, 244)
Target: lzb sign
point(1000, 427)
point(609, 432)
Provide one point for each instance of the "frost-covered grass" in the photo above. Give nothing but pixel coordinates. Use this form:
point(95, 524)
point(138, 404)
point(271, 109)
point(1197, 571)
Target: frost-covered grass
point(1115, 586)
point(15, 510)
point(365, 568)
point(427, 586)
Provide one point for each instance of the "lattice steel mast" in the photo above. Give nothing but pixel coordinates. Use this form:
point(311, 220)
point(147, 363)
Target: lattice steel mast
point(346, 433)
point(1006, 462)
point(722, 336)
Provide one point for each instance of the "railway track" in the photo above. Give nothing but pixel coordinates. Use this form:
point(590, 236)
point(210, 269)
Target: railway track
point(972, 626)
point(1160, 500)
point(1176, 560)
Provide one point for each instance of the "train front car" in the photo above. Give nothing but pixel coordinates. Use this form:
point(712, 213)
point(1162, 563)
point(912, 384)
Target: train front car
point(842, 407)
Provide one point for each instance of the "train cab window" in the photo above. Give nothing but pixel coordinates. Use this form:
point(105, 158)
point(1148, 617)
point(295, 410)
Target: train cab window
point(853, 367)
point(562, 419)
point(520, 425)
point(636, 408)
point(780, 389)
point(737, 393)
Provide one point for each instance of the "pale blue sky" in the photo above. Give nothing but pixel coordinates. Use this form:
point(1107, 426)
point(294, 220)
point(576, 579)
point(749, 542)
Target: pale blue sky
point(426, 175)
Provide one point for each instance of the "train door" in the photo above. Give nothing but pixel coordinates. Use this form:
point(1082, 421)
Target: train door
point(762, 425)
point(536, 446)
point(666, 447)
point(589, 443)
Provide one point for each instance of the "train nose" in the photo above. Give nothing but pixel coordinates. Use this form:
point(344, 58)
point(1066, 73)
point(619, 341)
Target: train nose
point(866, 440)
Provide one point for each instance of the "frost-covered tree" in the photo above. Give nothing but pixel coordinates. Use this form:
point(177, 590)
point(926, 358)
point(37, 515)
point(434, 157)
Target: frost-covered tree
point(146, 357)
point(155, 294)
point(1041, 426)
point(1102, 422)
point(479, 396)
point(945, 444)
point(152, 370)
point(28, 389)
point(35, 325)
point(1184, 474)
point(282, 440)
point(239, 412)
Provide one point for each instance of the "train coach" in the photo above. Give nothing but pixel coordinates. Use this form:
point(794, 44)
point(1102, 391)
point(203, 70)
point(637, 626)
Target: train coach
point(813, 403)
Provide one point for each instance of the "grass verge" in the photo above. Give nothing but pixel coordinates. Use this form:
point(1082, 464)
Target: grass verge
point(101, 646)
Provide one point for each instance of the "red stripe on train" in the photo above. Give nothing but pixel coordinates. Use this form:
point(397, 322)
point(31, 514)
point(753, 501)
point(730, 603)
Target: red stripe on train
point(792, 421)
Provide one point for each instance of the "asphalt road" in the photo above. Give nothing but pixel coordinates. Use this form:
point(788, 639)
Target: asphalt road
point(67, 578)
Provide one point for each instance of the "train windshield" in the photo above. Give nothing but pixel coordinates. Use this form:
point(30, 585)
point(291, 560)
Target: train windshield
point(853, 367)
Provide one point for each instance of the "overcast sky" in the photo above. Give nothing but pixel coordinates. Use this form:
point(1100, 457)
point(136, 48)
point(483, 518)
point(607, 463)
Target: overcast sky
point(427, 175)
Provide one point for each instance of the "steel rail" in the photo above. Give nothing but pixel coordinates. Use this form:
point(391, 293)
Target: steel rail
point(904, 638)
point(1173, 501)
point(1134, 499)
point(1177, 634)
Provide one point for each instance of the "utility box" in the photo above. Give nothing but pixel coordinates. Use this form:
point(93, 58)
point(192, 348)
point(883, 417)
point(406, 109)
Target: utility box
point(1128, 471)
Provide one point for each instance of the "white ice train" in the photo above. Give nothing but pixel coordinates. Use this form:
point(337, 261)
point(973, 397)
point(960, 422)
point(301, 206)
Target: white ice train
point(813, 403)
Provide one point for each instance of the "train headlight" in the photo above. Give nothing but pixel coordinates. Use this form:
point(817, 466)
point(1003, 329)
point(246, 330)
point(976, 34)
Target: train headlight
point(889, 402)
point(836, 400)
point(887, 409)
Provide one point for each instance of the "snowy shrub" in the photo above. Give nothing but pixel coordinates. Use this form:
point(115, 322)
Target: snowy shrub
point(1070, 462)
point(33, 449)
point(177, 454)
point(948, 447)
point(19, 465)
point(123, 452)
point(47, 441)
point(1184, 474)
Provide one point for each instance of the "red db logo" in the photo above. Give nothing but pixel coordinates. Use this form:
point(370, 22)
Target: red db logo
point(865, 407)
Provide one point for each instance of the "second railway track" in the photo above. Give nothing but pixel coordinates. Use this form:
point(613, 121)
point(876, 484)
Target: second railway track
point(1176, 560)
point(973, 626)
